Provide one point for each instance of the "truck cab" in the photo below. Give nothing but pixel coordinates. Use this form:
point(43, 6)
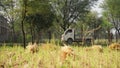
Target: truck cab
point(72, 35)
point(68, 36)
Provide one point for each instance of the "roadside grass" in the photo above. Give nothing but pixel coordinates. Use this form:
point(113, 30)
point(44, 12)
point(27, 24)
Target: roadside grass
point(48, 57)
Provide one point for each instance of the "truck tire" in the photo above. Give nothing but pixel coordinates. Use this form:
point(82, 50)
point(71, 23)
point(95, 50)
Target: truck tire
point(88, 41)
point(69, 41)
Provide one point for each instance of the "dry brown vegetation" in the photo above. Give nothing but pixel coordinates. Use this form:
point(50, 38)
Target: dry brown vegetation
point(48, 46)
point(95, 48)
point(65, 52)
point(32, 47)
point(114, 46)
point(16, 57)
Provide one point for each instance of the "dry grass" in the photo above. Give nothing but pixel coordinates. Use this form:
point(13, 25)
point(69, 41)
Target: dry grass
point(95, 48)
point(16, 57)
point(32, 47)
point(65, 52)
point(48, 46)
point(114, 46)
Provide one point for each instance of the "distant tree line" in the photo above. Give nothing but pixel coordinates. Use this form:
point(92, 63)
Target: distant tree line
point(29, 19)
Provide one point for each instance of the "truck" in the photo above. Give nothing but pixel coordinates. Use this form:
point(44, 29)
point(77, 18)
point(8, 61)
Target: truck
point(71, 35)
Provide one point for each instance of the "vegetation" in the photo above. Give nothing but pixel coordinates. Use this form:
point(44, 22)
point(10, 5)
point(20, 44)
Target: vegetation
point(49, 56)
point(69, 11)
point(31, 20)
point(37, 21)
point(111, 13)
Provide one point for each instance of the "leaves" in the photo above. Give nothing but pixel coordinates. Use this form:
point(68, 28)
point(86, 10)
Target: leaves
point(112, 13)
point(69, 11)
point(39, 14)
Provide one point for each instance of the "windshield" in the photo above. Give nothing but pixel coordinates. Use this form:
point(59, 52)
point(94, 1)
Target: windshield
point(68, 31)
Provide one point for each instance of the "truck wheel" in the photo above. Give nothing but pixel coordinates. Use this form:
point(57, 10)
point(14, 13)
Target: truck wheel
point(88, 41)
point(69, 41)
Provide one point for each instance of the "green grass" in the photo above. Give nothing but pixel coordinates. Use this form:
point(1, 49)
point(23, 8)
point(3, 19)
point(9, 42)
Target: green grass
point(17, 57)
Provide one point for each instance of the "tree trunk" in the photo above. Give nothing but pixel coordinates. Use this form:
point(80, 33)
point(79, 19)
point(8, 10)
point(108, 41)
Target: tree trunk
point(22, 22)
point(13, 32)
point(34, 35)
point(109, 36)
point(49, 35)
point(118, 33)
point(116, 36)
point(37, 37)
point(82, 35)
point(31, 30)
point(23, 32)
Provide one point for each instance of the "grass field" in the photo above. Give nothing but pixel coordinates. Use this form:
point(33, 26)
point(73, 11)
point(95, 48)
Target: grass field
point(48, 57)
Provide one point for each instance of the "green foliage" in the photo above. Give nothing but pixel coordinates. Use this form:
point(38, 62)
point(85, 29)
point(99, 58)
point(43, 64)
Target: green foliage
point(69, 11)
point(112, 12)
point(90, 25)
point(106, 24)
point(38, 6)
point(91, 20)
point(39, 14)
point(8, 7)
point(112, 7)
point(40, 21)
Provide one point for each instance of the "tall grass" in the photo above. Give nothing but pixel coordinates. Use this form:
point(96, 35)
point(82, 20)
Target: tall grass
point(17, 57)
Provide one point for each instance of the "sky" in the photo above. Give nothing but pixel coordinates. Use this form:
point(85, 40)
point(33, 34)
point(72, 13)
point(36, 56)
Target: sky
point(97, 8)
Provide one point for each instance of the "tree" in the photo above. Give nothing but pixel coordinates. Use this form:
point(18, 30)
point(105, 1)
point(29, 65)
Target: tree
point(24, 7)
point(41, 22)
point(112, 9)
point(10, 11)
point(106, 25)
point(70, 11)
point(37, 13)
point(89, 26)
point(39, 16)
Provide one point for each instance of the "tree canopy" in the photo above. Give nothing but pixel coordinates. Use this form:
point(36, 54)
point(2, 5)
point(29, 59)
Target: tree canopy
point(70, 11)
